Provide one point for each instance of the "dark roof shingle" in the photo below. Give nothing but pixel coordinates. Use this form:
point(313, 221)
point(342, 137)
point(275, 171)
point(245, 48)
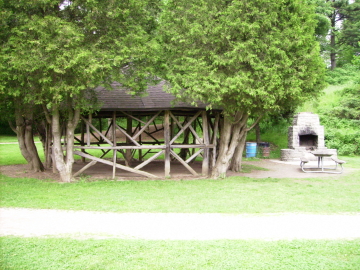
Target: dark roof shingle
point(156, 98)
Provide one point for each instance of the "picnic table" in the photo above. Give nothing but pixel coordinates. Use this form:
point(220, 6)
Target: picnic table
point(320, 168)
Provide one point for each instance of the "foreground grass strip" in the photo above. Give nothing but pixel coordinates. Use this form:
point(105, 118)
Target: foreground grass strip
point(232, 195)
point(50, 253)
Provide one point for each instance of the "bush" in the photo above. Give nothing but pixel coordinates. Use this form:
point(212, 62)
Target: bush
point(342, 134)
point(349, 106)
point(343, 75)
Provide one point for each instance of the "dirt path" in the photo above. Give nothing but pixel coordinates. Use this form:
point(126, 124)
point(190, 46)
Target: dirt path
point(174, 226)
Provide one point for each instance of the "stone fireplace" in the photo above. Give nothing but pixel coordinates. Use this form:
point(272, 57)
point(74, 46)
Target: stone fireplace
point(305, 135)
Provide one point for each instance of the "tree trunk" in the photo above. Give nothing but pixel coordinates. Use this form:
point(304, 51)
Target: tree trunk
point(25, 136)
point(236, 161)
point(333, 41)
point(64, 163)
point(332, 52)
point(229, 140)
point(257, 133)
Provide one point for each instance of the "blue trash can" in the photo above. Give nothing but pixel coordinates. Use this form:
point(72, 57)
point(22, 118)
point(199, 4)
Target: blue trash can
point(250, 149)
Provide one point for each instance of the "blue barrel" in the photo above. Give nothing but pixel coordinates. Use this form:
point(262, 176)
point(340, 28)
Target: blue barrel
point(250, 149)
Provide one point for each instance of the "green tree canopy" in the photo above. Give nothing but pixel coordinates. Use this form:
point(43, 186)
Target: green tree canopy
point(242, 55)
point(248, 57)
point(53, 52)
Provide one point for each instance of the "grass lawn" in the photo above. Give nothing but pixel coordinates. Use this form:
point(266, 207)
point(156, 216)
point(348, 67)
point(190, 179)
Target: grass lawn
point(231, 195)
point(59, 254)
point(10, 153)
point(8, 139)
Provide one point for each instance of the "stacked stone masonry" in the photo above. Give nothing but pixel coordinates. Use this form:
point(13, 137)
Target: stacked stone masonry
point(305, 135)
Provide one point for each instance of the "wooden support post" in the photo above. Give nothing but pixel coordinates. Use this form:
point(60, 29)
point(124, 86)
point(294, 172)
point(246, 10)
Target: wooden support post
point(108, 133)
point(140, 141)
point(82, 139)
point(205, 163)
point(128, 155)
point(167, 142)
point(172, 127)
point(88, 130)
point(114, 143)
point(194, 138)
point(100, 126)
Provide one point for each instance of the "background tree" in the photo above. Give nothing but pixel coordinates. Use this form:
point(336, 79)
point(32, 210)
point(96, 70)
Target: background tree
point(20, 118)
point(337, 29)
point(349, 107)
point(55, 52)
point(248, 57)
point(14, 110)
point(336, 18)
point(350, 33)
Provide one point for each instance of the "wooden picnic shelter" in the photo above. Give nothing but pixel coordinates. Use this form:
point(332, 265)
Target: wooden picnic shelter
point(187, 132)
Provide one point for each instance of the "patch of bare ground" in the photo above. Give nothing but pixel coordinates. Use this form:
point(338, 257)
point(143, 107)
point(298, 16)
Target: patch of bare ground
point(22, 170)
point(275, 169)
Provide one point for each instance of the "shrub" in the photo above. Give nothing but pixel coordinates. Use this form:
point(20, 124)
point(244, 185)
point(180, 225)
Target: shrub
point(342, 134)
point(343, 75)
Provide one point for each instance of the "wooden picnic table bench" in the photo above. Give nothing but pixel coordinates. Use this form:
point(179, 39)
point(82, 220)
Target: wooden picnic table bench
point(320, 168)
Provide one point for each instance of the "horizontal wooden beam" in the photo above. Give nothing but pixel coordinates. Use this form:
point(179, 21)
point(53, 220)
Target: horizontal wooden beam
point(134, 147)
point(203, 146)
point(121, 147)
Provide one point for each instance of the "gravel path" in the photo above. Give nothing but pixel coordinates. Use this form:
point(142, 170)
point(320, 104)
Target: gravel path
point(176, 226)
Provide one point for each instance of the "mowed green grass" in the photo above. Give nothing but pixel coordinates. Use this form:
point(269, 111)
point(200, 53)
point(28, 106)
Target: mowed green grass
point(10, 153)
point(232, 195)
point(59, 254)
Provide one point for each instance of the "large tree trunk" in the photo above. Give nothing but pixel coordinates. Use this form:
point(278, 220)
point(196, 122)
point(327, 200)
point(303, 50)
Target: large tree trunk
point(236, 161)
point(229, 140)
point(64, 163)
point(25, 136)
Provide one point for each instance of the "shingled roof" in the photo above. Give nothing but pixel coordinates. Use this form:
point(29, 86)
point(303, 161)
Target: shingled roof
point(157, 99)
